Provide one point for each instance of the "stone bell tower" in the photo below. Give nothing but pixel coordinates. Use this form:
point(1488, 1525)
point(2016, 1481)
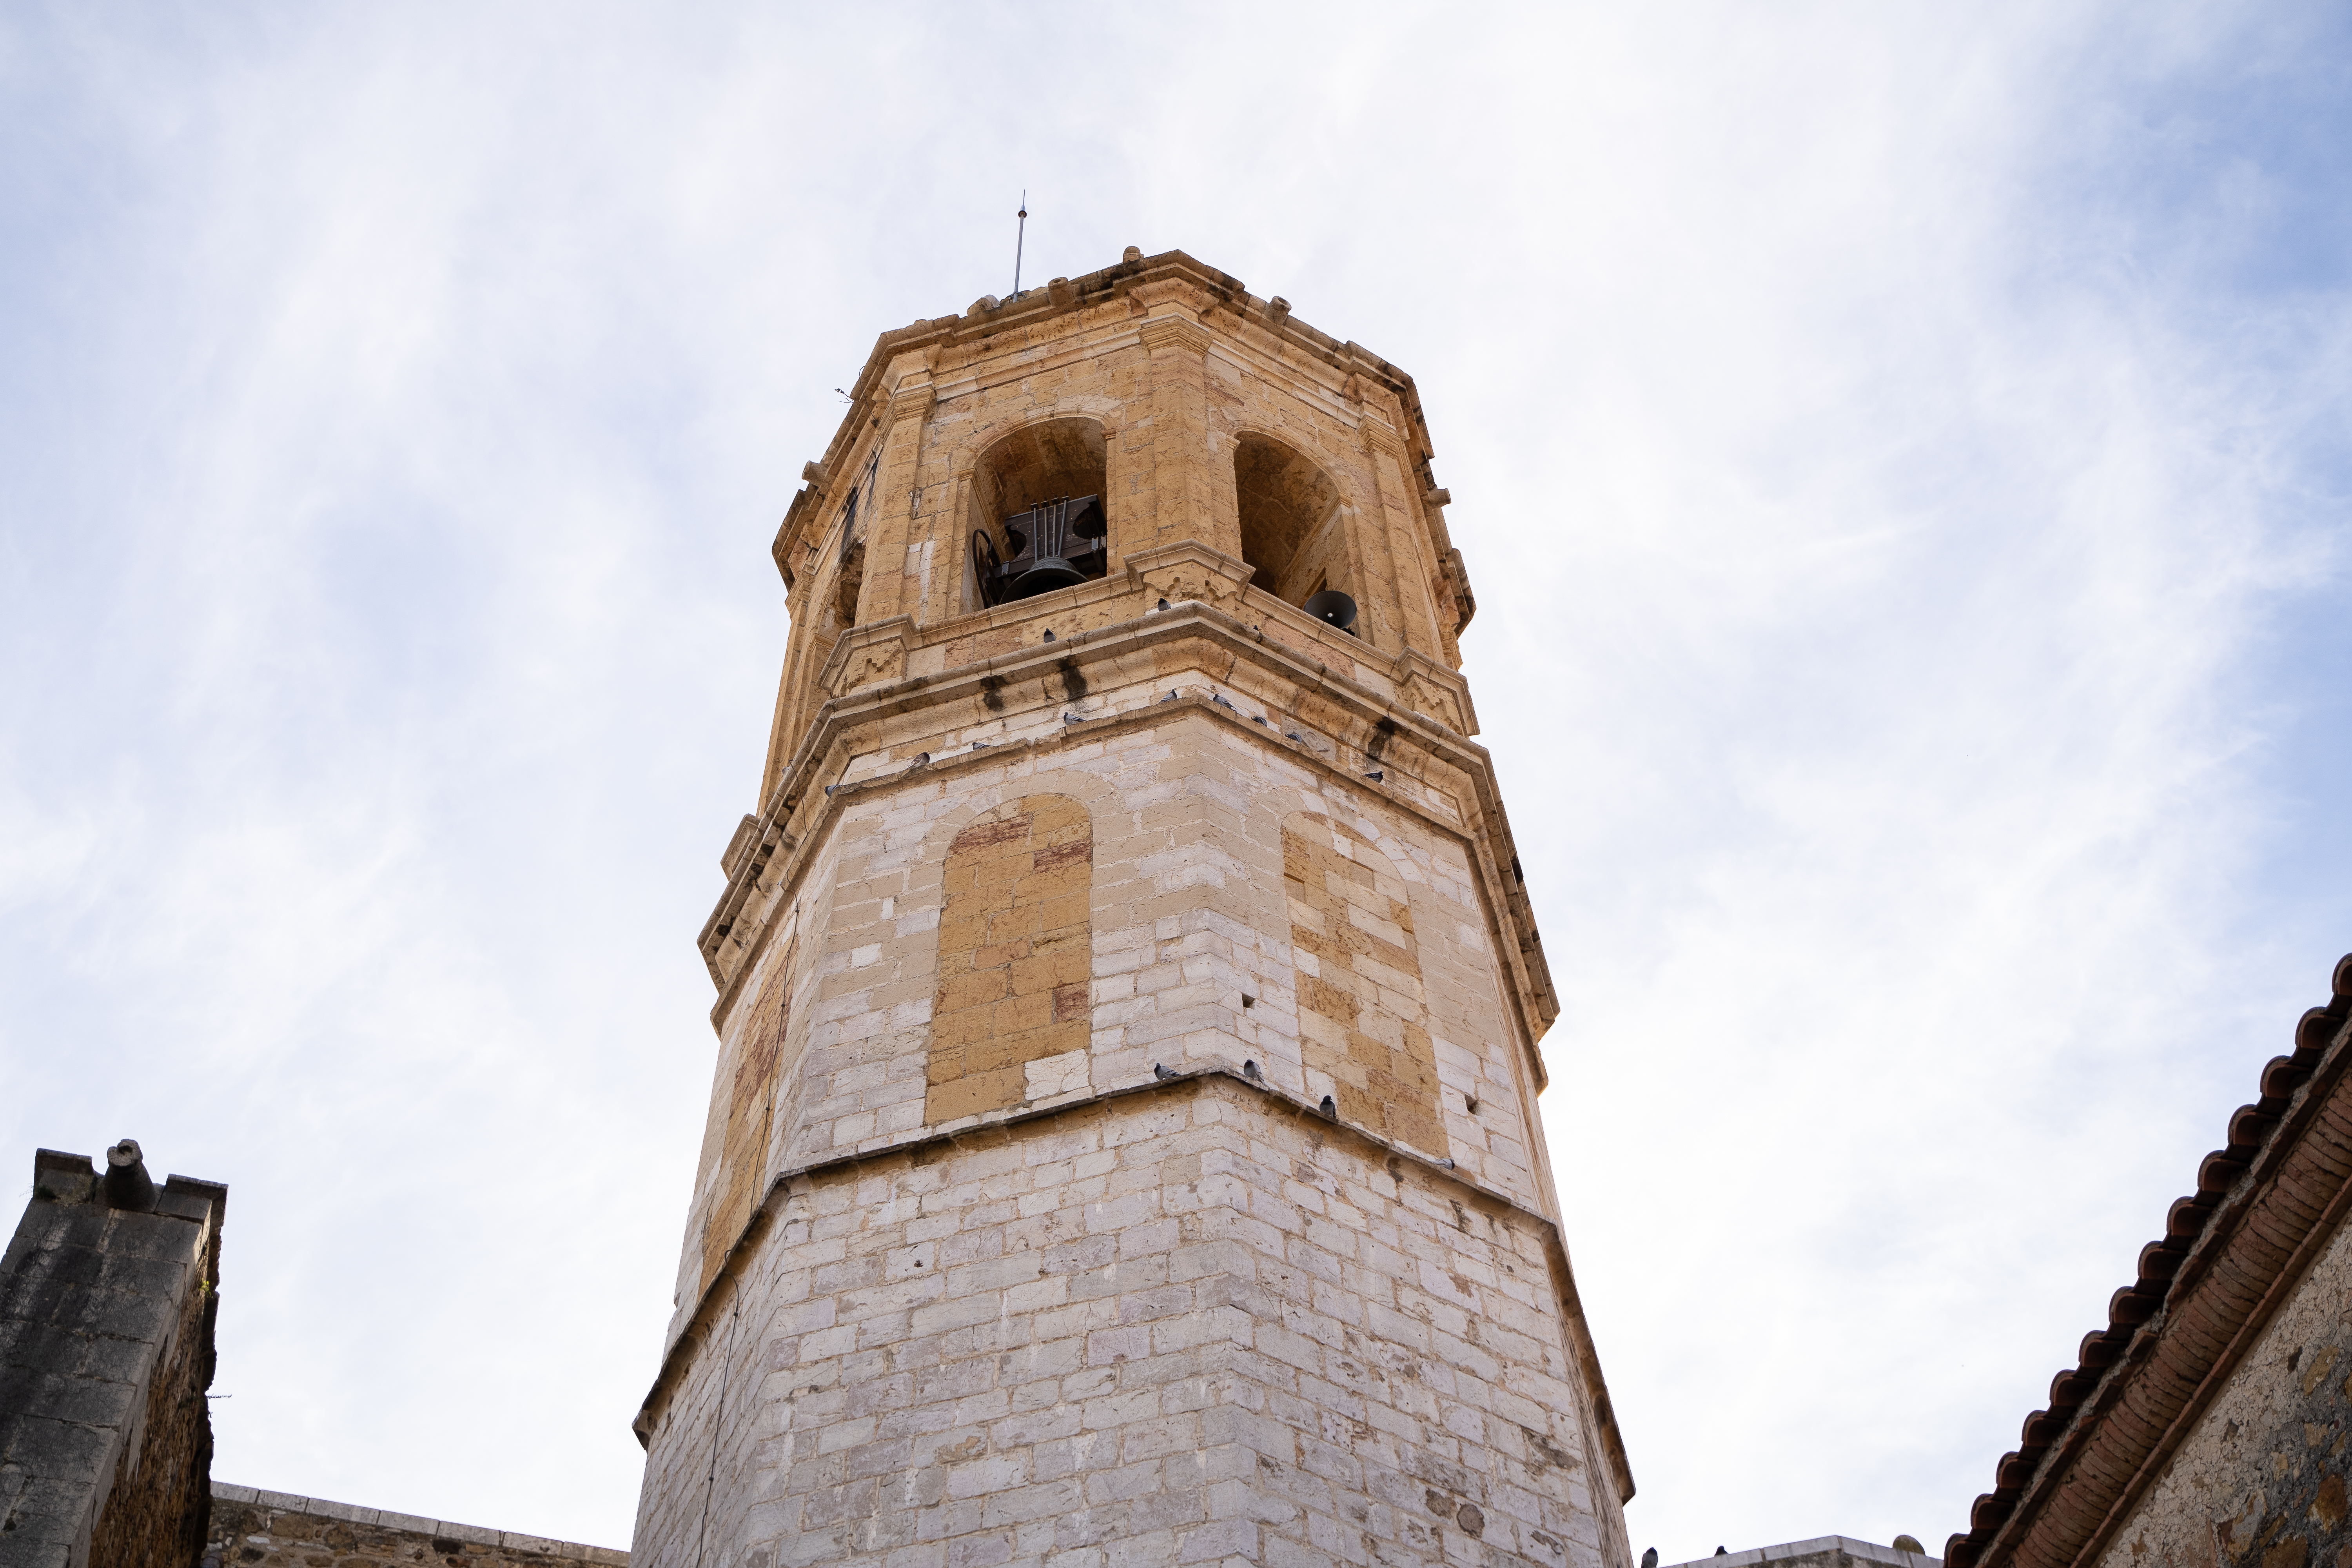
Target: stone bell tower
point(1123, 1148)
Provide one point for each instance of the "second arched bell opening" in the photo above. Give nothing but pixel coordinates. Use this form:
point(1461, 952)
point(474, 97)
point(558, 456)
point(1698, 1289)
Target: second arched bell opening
point(1038, 517)
point(1292, 535)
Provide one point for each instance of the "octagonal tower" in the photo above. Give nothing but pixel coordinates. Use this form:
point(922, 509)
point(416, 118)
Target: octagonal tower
point(1123, 1146)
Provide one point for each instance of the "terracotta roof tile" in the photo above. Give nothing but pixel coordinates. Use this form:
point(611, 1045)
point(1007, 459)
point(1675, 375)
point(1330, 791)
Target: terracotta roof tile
point(2229, 1250)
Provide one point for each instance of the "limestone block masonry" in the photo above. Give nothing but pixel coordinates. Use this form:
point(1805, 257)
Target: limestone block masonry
point(1122, 1145)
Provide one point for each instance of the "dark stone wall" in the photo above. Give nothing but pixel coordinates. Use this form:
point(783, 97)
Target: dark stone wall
point(157, 1513)
point(106, 1318)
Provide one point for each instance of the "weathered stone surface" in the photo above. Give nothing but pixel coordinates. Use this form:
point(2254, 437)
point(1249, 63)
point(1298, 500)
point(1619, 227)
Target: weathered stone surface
point(1015, 955)
point(2261, 1477)
point(1363, 1016)
point(255, 1529)
point(1187, 1318)
point(106, 1350)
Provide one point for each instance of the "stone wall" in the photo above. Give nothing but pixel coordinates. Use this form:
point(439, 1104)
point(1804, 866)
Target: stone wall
point(155, 1510)
point(2260, 1480)
point(106, 1296)
point(1363, 1012)
point(1194, 1322)
point(1194, 955)
point(253, 1529)
point(1198, 805)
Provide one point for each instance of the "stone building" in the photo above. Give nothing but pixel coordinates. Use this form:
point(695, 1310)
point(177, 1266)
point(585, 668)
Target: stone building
point(2206, 1424)
point(1123, 1144)
point(107, 1293)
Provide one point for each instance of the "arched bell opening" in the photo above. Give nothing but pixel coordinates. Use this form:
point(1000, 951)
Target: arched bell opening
point(1291, 536)
point(1039, 517)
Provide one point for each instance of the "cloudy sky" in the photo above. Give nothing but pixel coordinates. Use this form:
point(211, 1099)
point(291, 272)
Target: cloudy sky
point(1902, 452)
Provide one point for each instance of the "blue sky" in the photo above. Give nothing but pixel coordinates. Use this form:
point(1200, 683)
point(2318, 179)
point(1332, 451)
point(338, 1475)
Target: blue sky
point(1902, 455)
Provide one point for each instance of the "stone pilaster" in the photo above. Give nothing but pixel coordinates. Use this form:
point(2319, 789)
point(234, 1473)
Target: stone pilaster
point(893, 577)
point(1168, 448)
point(1407, 570)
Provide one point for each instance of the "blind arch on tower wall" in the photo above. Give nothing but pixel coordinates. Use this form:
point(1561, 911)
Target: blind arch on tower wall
point(750, 1114)
point(1012, 1016)
point(1363, 1010)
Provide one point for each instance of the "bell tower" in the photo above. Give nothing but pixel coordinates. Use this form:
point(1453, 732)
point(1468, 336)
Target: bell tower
point(1123, 1146)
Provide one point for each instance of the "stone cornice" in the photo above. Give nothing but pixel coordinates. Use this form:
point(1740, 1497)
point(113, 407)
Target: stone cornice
point(796, 516)
point(1374, 727)
point(1377, 436)
point(1415, 669)
point(911, 403)
point(870, 655)
point(946, 342)
point(1173, 333)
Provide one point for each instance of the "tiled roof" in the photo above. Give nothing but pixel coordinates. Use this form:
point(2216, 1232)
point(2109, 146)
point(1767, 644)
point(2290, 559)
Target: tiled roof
point(2231, 1252)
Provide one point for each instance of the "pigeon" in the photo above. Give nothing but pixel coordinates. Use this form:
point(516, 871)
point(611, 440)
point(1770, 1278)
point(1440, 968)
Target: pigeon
point(1160, 1072)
